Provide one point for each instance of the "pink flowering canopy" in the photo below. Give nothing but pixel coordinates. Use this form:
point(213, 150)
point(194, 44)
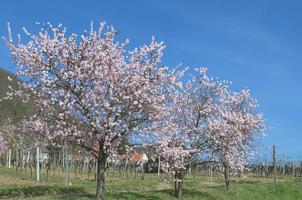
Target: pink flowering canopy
point(186, 125)
point(207, 118)
point(89, 90)
point(234, 128)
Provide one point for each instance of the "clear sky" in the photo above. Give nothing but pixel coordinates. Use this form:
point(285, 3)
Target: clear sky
point(255, 44)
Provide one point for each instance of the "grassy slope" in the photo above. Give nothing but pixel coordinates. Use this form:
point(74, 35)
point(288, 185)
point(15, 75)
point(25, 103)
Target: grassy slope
point(152, 188)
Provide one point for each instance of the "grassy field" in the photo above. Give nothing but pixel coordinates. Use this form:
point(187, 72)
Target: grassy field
point(20, 186)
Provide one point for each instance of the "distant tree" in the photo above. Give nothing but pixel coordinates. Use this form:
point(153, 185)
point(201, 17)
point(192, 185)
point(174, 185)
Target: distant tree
point(233, 129)
point(186, 124)
point(207, 118)
point(174, 156)
point(220, 123)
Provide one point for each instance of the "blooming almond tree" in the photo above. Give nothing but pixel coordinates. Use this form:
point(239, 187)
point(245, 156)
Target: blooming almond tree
point(200, 97)
point(210, 119)
point(186, 125)
point(89, 90)
point(232, 130)
point(174, 155)
point(174, 151)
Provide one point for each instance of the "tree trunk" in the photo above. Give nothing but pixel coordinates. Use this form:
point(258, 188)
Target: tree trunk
point(226, 175)
point(143, 173)
point(101, 170)
point(175, 186)
point(178, 187)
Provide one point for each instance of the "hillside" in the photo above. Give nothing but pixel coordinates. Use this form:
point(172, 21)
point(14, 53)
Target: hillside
point(15, 108)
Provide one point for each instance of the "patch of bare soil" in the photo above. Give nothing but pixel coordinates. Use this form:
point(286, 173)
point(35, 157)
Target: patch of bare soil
point(163, 185)
point(4, 180)
point(211, 183)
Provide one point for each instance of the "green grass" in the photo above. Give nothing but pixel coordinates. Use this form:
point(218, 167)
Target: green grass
point(14, 186)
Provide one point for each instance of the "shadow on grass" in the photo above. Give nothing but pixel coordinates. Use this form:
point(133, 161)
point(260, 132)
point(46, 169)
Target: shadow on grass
point(161, 195)
point(235, 183)
point(197, 194)
point(134, 195)
point(17, 191)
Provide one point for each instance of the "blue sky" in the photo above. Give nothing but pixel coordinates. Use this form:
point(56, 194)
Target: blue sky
point(255, 44)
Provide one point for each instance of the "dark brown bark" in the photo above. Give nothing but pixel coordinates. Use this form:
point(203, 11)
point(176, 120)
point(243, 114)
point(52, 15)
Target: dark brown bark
point(101, 170)
point(175, 187)
point(178, 187)
point(226, 176)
